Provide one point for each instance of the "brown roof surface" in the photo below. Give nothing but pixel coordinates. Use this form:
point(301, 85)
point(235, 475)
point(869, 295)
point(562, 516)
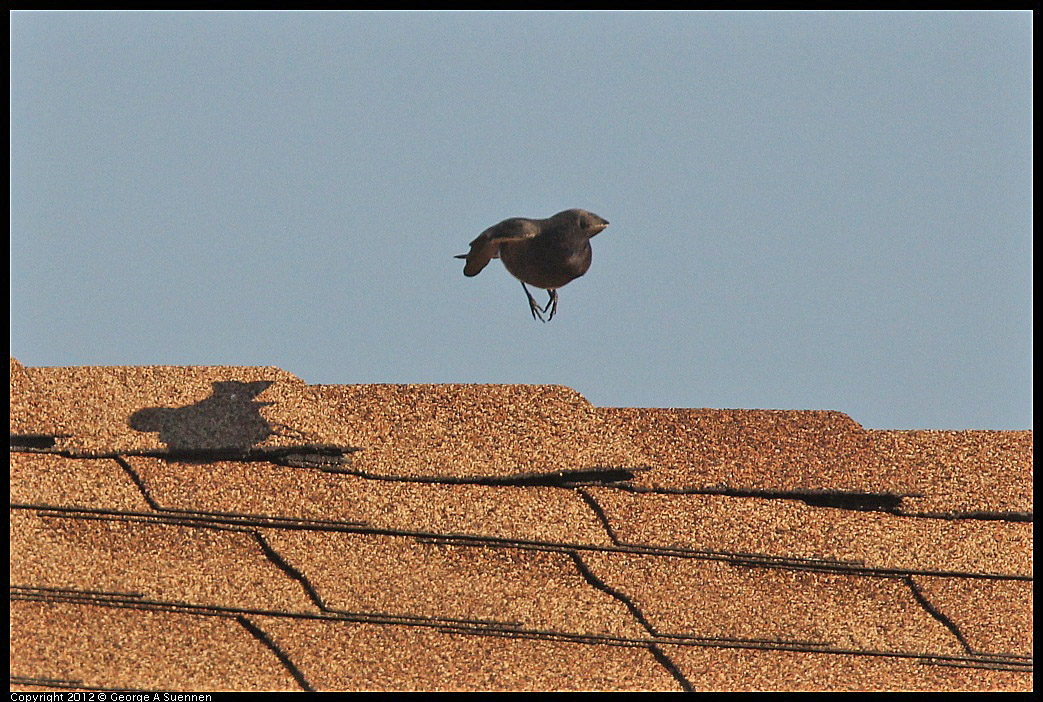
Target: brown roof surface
point(225, 528)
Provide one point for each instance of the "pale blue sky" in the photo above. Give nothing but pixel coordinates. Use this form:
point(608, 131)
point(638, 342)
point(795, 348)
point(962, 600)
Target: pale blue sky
point(809, 210)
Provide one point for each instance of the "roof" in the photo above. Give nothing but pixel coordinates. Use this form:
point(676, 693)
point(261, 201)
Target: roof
point(230, 528)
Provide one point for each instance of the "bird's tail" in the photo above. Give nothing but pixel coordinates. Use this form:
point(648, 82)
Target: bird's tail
point(482, 251)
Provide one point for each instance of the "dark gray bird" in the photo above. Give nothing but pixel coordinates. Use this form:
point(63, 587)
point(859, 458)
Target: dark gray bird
point(547, 253)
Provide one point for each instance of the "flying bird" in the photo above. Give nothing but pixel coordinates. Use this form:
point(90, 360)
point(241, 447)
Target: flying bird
point(546, 253)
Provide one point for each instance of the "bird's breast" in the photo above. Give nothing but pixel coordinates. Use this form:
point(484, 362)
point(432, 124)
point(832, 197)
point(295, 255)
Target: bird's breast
point(545, 265)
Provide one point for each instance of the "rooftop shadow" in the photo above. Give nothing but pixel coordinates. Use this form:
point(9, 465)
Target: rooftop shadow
point(230, 419)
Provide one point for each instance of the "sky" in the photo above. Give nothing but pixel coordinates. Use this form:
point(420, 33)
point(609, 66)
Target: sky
point(808, 210)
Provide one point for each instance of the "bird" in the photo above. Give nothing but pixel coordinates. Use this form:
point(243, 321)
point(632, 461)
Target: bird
point(546, 253)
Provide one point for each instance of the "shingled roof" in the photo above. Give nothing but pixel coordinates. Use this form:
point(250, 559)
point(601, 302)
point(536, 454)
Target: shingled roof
point(227, 528)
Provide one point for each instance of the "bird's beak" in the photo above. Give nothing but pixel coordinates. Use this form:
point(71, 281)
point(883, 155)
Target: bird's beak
point(598, 228)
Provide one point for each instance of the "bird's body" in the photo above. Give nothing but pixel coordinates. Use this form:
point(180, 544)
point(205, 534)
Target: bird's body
point(547, 253)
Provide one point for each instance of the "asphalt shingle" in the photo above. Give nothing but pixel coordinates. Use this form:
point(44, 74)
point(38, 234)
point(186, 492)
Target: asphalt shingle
point(229, 528)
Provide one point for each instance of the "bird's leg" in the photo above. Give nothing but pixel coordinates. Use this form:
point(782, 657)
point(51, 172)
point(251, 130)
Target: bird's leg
point(533, 307)
point(552, 303)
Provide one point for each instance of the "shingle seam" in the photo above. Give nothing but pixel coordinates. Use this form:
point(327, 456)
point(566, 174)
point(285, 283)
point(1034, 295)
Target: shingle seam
point(25, 593)
point(282, 564)
point(275, 558)
point(734, 557)
point(885, 502)
point(661, 640)
point(285, 659)
point(601, 585)
point(142, 488)
point(314, 457)
point(661, 657)
point(460, 626)
point(31, 593)
point(60, 683)
point(63, 684)
point(744, 559)
point(218, 521)
point(664, 660)
point(34, 443)
point(1011, 668)
point(101, 595)
point(22, 678)
point(949, 624)
point(855, 500)
point(595, 506)
point(477, 627)
point(318, 456)
point(322, 458)
point(982, 515)
point(560, 478)
point(200, 519)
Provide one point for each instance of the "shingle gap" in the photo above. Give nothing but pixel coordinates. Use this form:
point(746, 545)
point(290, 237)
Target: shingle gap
point(286, 661)
point(839, 499)
point(948, 623)
point(74, 597)
point(595, 506)
point(217, 521)
point(975, 514)
point(47, 682)
point(661, 657)
point(282, 564)
point(33, 442)
point(563, 478)
point(599, 584)
point(668, 663)
point(1011, 668)
point(86, 593)
point(322, 456)
point(195, 519)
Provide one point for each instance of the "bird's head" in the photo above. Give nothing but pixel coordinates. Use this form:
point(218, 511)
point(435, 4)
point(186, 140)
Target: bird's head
point(585, 221)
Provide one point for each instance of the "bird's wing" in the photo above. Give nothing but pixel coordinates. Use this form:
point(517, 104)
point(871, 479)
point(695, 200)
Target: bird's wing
point(487, 246)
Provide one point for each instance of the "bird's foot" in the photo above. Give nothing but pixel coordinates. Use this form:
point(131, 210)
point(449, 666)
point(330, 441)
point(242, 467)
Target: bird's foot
point(552, 303)
point(537, 311)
